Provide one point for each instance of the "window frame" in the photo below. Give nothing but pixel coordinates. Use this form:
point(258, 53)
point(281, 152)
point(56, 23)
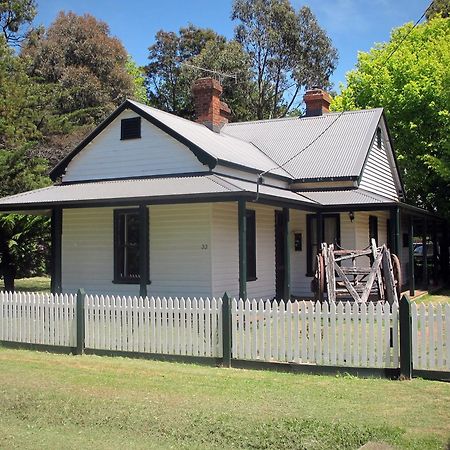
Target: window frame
point(309, 244)
point(124, 122)
point(117, 278)
point(250, 216)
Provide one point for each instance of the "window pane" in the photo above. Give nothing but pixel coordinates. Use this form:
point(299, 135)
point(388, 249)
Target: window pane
point(330, 230)
point(132, 236)
point(132, 269)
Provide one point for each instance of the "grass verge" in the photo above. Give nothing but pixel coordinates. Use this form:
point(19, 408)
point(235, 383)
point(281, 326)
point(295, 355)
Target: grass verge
point(55, 401)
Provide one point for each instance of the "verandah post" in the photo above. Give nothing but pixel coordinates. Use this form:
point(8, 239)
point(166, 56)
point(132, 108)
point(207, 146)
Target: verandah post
point(143, 250)
point(81, 295)
point(287, 256)
point(56, 241)
point(226, 330)
point(242, 230)
point(406, 367)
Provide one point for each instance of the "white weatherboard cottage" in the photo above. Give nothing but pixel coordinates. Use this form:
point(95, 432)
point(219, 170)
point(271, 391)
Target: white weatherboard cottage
point(153, 204)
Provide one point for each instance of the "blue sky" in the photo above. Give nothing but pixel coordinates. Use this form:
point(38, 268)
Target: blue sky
point(353, 25)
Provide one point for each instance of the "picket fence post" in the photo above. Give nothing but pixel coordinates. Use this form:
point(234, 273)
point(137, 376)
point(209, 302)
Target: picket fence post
point(81, 295)
point(226, 331)
point(405, 322)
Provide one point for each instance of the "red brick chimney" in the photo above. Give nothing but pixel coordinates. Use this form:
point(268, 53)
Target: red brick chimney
point(317, 102)
point(209, 109)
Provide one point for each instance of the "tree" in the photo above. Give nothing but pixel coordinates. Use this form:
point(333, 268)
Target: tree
point(438, 7)
point(167, 84)
point(412, 85)
point(138, 75)
point(87, 66)
point(288, 51)
point(24, 240)
point(14, 16)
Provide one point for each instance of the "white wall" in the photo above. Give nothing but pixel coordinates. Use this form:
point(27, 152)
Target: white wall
point(377, 175)
point(155, 153)
point(180, 250)
point(225, 254)
point(178, 264)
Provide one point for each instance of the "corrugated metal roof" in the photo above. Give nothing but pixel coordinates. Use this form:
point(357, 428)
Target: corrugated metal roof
point(135, 189)
point(339, 152)
point(220, 146)
point(346, 197)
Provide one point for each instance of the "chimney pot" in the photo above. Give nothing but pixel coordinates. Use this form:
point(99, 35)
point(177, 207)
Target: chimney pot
point(317, 102)
point(209, 109)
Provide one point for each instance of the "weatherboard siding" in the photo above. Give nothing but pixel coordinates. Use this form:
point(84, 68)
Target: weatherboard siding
point(377, 175)
point(225, 256)
point(155, 153)
point(180, 250)
point(180, 259)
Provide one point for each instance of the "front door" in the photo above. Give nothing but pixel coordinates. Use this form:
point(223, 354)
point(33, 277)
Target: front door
point(280, 270)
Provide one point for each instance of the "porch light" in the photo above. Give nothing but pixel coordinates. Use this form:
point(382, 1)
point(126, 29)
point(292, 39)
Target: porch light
point(351, 216)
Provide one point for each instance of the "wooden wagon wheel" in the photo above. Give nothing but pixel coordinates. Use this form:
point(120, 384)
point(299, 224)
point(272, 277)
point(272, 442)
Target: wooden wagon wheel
point(320, 275)
point(396, 267)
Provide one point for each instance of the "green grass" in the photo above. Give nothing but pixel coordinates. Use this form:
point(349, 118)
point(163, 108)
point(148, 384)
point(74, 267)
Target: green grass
point(57, 401)
point(35, 284)
point(442, 296)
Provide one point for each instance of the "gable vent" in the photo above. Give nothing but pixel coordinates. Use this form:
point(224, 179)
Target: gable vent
point(130, 128)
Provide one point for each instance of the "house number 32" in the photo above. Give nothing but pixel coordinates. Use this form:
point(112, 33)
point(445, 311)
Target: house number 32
point(204, 246)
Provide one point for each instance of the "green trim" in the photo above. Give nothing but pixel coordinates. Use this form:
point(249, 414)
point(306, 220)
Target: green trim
point(287, 256)
point(39, 347)
point(436, 375)
point(412, 277)
point(80, 319)
point(242, 230)
point(144, 257)
point(226, 331)
point(56, 250)
point(206, 360)
point(363, 372)
point(405, 338)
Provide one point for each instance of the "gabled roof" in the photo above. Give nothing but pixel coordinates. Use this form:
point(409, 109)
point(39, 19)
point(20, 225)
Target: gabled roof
point(339, 153)
point(209, 147)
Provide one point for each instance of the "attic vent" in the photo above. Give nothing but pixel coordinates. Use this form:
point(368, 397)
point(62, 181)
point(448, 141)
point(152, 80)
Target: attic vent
point(130, 128)
point(379, 137)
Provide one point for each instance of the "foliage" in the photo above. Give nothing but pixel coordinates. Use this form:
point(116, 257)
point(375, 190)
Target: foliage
point(167, 84)
point(227, 57)
point(100, 402)
point(14, 16)
point(138, 75)
point(18, 101)
point(78, 54)
point(438, 7)
point(26, 239)
point(413, 86)
point(288, 51)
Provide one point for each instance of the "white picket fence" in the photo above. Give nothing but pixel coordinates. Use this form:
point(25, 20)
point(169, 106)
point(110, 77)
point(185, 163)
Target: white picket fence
point(342, 334)
point(431, 336)
point(357, 335)
point(38, 318)
point(168, 326)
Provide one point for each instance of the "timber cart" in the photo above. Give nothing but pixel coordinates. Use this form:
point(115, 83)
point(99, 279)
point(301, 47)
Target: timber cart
point(370, 274)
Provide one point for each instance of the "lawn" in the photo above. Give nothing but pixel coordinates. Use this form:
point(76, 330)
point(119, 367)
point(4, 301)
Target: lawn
point(442, 296)
point(62, 401)
point(35, 284)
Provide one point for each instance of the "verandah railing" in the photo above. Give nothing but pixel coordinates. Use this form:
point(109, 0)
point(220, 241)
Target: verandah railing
point(299, 332)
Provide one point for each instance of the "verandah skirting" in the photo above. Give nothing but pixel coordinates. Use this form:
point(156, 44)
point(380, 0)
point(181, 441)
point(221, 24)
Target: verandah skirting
point(268, 334)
